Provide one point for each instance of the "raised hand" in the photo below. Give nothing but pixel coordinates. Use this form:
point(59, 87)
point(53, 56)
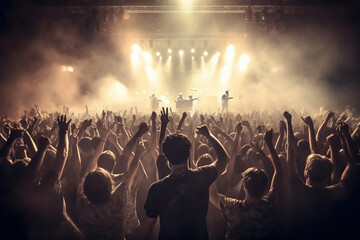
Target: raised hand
point(143, 128)
point(118, 119)
point(307, 120)
point(73, 139)
point(332, 139)
point(112, 138)
point(44, 143)
point(153, 116)
point(245, 123)
point(330, 115)
point(268, 136)
point(63, 125)
point(203, 130)
point(140, 148)
point(103, 131)
point(86, 123)
point(164, 116)
point(287, 116)
point(239, 128)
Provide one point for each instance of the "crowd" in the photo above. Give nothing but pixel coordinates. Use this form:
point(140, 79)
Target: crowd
point(165, 175)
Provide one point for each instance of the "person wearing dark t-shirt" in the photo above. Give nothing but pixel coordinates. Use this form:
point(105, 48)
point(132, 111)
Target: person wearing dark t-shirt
point(181, 199)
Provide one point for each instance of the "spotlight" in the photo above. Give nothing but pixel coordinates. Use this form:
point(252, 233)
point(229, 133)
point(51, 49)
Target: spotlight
point(192, 50)
point(135, 48)
point(181, 52)
point(218, 54)
point(169, 50)
point(158, 54)
point(206, 53)
point(70, 69)
point(147, 58)
point(192, 58)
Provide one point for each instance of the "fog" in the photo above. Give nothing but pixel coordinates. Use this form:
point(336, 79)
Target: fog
point(308, 66)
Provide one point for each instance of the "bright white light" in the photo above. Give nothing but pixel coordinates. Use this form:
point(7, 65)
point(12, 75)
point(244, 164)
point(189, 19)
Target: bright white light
point(206, 53)
point(151, 74)
point(169, 50)
point(70, 69)
point(229, 55)
point(192, 50)
point(181, 52)
point(192, 58)
point(218, 54)
point(166, 101)
point(144, 92)
point(147, 58)
point(225, 74)
point(135, 48)
point(158, 54)
point(243, 62)
point(135, 60)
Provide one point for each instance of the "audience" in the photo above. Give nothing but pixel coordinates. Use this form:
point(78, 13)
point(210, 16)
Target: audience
point(259, 175)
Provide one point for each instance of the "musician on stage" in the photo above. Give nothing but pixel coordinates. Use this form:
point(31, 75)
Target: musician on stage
point(189, 103)
point(225, 101)
point(154, 102)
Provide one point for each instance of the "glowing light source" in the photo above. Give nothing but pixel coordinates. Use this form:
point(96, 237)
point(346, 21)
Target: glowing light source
point(218, 54)
point(147, 58)
point(70, 69)
point(135, 48)
point(63, 68)
point(67, 68)
point(225, 75)
point(192, 57)
point(192, 50)
point(206, 53)
point(181, 52)
point(158, 54)
point(243, 62)
point(169, 50)
point(229, 55)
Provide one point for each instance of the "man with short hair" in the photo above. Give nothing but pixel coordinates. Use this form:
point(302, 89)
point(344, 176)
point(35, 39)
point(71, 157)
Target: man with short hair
point(181, 199)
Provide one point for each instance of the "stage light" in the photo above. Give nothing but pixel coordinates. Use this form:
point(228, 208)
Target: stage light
point(63, 68)
point(225, 75)
point(192, 58)
point(181, 52)
point(135, 48)
point(70, 69)
point(243, 62)
point(147, 58)
point(169, 50)
point(158, 54)
point(206, 53)
point(218, 54)
point(229, 55)
point(192, 50)
point(202, 57)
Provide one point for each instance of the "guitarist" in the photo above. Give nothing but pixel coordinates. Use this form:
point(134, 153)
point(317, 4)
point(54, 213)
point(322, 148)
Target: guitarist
point(225, 101)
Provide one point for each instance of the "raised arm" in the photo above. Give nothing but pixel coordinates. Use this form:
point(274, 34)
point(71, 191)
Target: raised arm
point(335, 145)
point(184, 115)
point(5, 150)
point(104, 133)
point(134, 165)
point(152, 147)
point(34, 165)
point(320, 133)
point(279, 141)
point(312, 139)
point(290, 147)
point(62, 147)
point(31, 146)
point(234, 152)
point(84, 125)
point(224, 134)
point(221, 154)
point(125, 157)
point(164, 117)
point(278, 171)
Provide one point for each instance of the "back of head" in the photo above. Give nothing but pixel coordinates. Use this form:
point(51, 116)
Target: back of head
point(244, 150)
point(98, 186)
point(176, 148)
point(318, 169)
point(205, 159)
point(107, 160)
point(255, 181)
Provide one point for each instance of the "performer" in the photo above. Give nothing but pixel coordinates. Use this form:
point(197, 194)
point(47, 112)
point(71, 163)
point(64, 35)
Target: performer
point(179, 101)
point(225, 101)
point(189, 103)
point(154, 102)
